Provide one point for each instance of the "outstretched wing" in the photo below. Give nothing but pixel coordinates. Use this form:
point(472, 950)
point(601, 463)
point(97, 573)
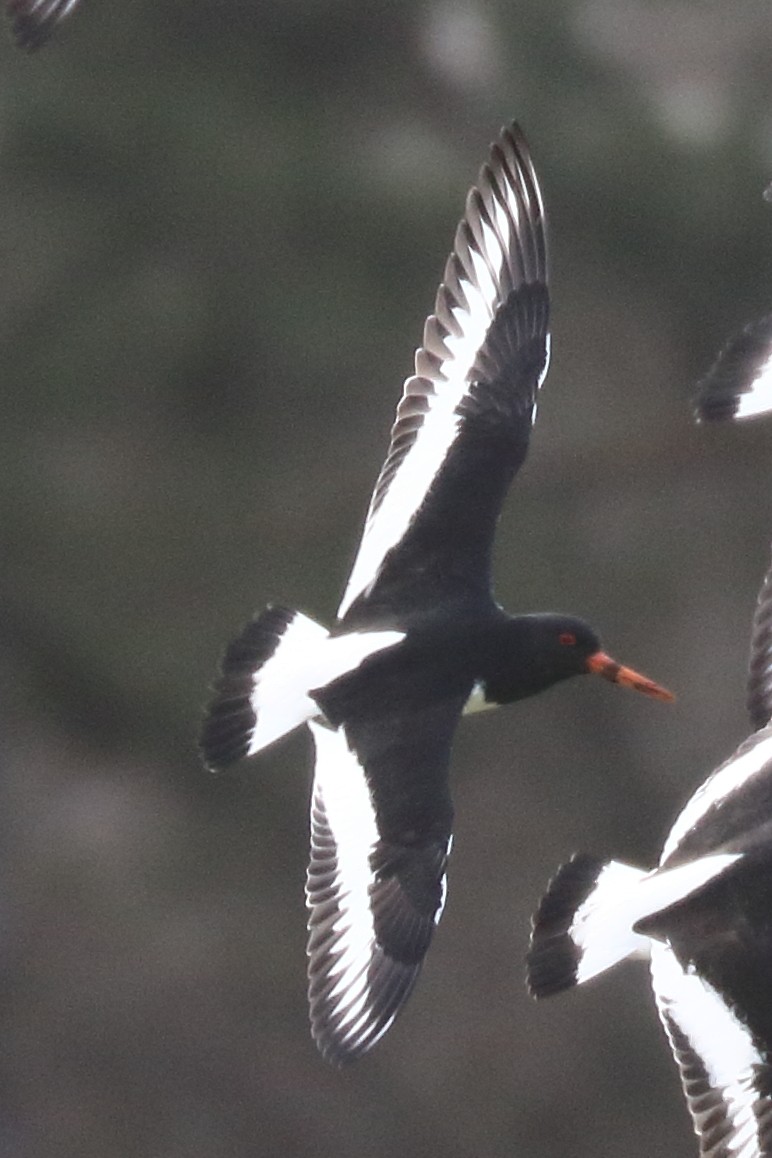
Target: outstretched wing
point(380, 838)
point(463, 424)
point(33, 21)
point(739, 383)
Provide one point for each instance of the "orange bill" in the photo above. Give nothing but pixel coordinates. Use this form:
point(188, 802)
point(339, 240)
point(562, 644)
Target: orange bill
point(603, 665)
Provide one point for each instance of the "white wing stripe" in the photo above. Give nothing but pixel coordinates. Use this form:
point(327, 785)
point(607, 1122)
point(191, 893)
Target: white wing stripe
point(414, 477)
point(486, 263)
point(718, 1038)
point(341, 787)
point(726, 779)
point(424, 460)
point(758, 399)
point(341, 784)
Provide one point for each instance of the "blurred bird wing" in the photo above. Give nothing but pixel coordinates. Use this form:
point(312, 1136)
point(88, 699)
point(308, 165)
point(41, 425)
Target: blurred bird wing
point(33, 21)
point(759, 695)
point(739, 383)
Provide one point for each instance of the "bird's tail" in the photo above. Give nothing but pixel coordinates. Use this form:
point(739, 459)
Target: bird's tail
point(597, 912)
point(584, 924)
point(258, 694)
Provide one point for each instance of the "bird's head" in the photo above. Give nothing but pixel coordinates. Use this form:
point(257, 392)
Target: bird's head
point(567, 646)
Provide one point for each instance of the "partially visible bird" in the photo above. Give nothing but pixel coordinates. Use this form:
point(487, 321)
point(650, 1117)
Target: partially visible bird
point(739, 383)
point(704, 916)
point(33, 21)
point(419, 639)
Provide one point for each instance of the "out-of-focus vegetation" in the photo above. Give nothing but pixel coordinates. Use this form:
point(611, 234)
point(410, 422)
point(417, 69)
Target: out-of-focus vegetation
point(221, 226)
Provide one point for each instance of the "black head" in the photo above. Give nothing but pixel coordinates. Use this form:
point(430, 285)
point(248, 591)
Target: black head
point(544, 649)
point(562, 646)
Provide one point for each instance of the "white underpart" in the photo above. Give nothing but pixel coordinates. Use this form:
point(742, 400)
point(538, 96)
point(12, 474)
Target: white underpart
point(340, 783)
point(306, 657)
point(602, 928)
point(758, 398)
point(725, 780)
point(423, 462)
point(718, 1038)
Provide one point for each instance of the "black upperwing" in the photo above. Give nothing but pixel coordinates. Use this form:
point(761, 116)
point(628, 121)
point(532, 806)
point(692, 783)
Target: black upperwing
point(464, 421)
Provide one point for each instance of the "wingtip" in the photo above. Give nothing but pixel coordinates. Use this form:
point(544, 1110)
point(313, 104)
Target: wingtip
point(347, 1026)
point(738, 385)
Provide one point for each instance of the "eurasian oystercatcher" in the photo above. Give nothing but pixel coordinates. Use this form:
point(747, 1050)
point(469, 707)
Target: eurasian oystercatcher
point(704, 916)
point(419, 639)
point(33, 21)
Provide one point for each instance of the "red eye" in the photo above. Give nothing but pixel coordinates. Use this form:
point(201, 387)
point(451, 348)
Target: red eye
point(567, 638)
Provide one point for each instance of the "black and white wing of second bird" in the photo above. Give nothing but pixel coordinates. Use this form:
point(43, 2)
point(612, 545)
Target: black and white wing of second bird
point(419, 638)
point(704, 919)
point(33, 21)
point(739, 383)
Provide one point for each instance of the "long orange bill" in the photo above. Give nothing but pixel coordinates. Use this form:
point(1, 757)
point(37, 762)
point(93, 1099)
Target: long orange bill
point(603, 665)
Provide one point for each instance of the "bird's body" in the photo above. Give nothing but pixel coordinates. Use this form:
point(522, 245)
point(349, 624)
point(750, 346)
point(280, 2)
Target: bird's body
point(419, 638)
point(704, 916)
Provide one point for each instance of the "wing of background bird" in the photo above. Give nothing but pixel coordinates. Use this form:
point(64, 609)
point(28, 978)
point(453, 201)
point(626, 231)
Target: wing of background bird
point(380, 838)
point(464, 421)
point(759, 694)
point(732, 802)
point(712, 955)
point(33, 21)
point(724, 1067)
point(739, 383)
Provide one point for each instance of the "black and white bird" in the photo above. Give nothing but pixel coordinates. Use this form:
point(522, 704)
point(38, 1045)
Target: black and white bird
point(419, 639)
point(33, 21)
point(704, 916)
point(739, 383)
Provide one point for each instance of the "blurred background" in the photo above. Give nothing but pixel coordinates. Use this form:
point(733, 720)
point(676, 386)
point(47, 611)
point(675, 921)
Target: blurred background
point(222, 223)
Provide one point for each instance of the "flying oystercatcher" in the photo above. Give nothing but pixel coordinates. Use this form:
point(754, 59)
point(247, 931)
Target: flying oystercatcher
point(419, 639)
point(704, 916)
point(33, 21)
